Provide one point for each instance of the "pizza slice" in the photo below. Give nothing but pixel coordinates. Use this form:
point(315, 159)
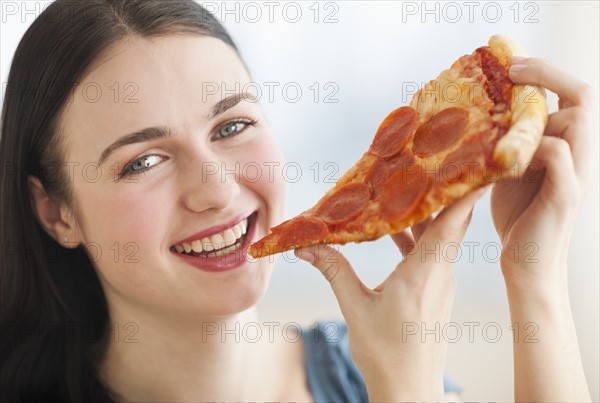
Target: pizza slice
point(468, 127)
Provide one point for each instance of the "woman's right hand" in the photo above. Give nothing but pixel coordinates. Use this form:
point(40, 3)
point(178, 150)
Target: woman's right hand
point(394, 330)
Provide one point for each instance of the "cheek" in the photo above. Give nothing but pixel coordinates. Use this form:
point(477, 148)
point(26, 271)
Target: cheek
point(122, 230)
point(123, 216)
point(263, 172)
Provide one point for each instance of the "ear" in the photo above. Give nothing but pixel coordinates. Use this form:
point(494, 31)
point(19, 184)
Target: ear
point(54, 218)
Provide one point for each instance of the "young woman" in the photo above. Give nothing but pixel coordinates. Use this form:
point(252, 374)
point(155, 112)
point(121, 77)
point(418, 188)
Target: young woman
point(102, 186)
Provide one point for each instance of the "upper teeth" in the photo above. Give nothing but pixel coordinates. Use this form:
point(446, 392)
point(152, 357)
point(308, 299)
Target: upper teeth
point(216, 241)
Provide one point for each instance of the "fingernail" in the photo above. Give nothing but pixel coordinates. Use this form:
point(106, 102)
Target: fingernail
point(518, 60)
point(516, 68)
point(305, 254)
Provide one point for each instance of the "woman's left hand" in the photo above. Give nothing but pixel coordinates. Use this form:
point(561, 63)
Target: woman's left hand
point(388, 325)
point(534, 215)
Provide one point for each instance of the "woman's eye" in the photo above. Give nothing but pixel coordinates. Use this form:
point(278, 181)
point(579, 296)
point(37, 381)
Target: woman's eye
point(141, 164)
point(233, 128)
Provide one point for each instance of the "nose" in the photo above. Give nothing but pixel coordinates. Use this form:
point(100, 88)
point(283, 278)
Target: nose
point(211, 183)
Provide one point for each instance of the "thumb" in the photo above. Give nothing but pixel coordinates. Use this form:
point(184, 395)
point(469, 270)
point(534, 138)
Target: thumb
point(451, 224)
point(336, 269)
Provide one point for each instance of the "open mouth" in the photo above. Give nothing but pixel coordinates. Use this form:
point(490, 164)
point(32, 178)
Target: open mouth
point(220, 244)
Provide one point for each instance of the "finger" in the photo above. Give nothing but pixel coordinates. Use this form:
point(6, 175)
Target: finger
point(575, 126)
point(336, 269)
point(554, 154)
point(570, 90)
point(419, 229)
point(448, 227)
point(404, 241)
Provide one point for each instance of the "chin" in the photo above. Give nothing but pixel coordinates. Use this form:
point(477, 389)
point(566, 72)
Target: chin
point(237, 295)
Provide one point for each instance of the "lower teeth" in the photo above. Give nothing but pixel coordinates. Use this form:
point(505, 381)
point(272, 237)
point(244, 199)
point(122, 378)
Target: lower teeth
point(225, 251)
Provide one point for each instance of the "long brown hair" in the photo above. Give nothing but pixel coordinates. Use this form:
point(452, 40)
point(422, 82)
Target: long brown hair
point(53, 311)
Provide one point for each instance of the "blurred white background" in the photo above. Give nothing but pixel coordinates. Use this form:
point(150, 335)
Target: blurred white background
point(355, 61)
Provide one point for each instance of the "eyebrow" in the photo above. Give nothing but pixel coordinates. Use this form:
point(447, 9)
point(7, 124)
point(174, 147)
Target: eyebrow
point(159, 132)
point(229, 102)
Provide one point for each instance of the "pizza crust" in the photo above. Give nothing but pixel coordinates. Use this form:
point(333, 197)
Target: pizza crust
point(529, 115)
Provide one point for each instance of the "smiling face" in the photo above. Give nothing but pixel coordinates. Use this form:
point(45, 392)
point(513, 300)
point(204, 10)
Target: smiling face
point(185, 156)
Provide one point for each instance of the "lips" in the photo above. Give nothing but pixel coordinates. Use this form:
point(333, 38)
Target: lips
point(216, 244)
point(219, 248)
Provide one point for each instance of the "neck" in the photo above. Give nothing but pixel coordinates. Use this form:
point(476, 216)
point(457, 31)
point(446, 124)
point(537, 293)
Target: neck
point(164, 359)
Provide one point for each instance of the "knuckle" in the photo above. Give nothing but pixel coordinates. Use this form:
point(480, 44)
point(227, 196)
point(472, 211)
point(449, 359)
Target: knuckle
point(585, 88)
point(330, 271)
point(536, 60)
point(559, 149)
point(585, 92)
point(542, 64)
point(579, 114)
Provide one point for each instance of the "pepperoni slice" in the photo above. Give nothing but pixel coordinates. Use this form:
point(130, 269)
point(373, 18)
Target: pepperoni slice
point(303, 229)
point(464, 163)
point(394, 132)
point(440, 131)
point(498, 85)
point(402, 193)
point(383, 169)
point(344, 204)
